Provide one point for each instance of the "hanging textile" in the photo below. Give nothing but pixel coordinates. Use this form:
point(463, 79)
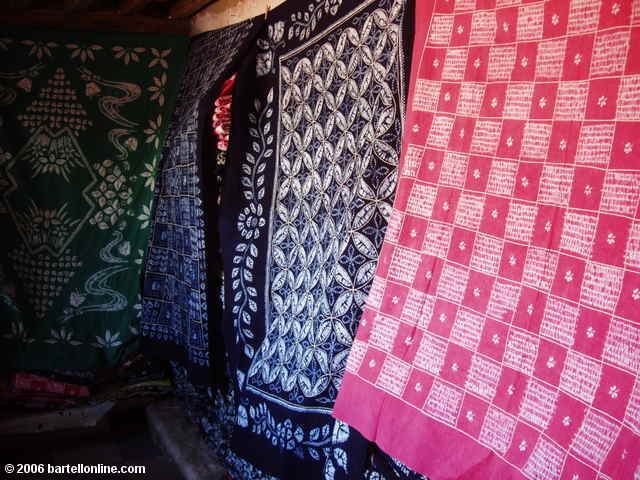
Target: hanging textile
point(221, 119)
point(309, 183)
point(179, 297)
point(83, 116)
point(502, 332)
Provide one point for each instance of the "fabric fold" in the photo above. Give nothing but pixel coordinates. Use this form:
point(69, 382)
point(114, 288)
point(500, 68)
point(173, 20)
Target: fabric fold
point(182, 269)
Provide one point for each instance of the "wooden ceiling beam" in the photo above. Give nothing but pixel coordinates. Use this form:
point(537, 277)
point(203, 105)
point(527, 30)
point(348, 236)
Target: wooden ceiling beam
point(76, 5)
point(186, 8)
point(128, 7)
point(227, 12)
point(96, 21)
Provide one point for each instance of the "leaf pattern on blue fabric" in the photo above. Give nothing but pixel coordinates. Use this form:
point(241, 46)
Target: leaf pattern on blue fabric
point(251, 222)
point(334, 186)
point(319, 443)
point(337, 126)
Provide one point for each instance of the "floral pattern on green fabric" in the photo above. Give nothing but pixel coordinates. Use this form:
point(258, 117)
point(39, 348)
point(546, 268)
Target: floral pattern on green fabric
point(82, 120)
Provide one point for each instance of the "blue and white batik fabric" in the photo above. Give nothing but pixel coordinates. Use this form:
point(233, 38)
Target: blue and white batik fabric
point(180, 271)
point(308, 189)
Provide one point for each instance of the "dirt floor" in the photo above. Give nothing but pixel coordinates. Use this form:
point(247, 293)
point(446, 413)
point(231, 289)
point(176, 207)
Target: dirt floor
point(125, 440)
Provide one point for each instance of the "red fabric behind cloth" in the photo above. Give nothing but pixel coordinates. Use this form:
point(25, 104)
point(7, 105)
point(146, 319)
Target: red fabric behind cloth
point(221, 118)
point(501, 337)
point(29, 383)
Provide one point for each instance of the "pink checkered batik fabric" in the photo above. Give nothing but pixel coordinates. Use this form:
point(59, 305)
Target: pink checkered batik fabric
point(501, 337)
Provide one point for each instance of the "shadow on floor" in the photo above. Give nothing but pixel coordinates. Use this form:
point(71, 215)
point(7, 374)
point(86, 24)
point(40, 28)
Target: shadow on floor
point(125, 440)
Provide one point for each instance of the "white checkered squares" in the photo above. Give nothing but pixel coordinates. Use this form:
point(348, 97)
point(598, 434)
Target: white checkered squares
point(412, 159)
point(594, 146)
point(395, 222)
point(443, 402)
point(578, 233)
point(393, 375)
point(545, 463)
point(454, 169)
point(467, 329)
point(521, 351)
point(437, 239)
point(384, 332)
point(540, 268)
point(609, 53)
point(501, 62)
point(431, 354)
point(404, 264)
point(485, 137)
point(455, 62)
point(520, 221)
point(518, 100)
point(469, 211)
point(629, 98)
point(621, 192)
point(538, 404)
point(421, 199)
point(470, 99)
point(622, 346)
point(571, 101)
point(502, 177)
point(427, 312)
point(453, 282)
point(483, 377)
point(559, 321)
point(497, 430)
point(595, 437)
point(464, 5)
point(426, 96)
point(440, 32)
point(483, 27)
point(413, 307)
point(376, 293)
point(357, 353)
point(580, 376)
point(530, 22)
point(487, 252)
point(583, 16)
point(535, 141)
point(632, 252)
point(555, 185)
point(440, 131)
point(503, 301)
point(550, 58)
point(601, 286)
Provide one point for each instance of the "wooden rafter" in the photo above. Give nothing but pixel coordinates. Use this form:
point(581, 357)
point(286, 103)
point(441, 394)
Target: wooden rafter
point(227, 12)
point(77, 5)
point(186, 8)
point(128, 7)
point(96, 21)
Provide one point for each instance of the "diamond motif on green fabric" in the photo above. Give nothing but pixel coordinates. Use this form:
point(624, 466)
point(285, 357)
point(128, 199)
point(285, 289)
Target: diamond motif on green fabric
point(44, 276)
point(56, 106)
point(51, 218)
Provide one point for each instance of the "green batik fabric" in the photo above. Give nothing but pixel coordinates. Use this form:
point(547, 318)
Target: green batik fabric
point(82, 121)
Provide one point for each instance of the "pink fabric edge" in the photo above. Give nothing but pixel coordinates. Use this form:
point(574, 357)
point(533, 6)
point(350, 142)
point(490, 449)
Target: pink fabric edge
point(441, 451)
